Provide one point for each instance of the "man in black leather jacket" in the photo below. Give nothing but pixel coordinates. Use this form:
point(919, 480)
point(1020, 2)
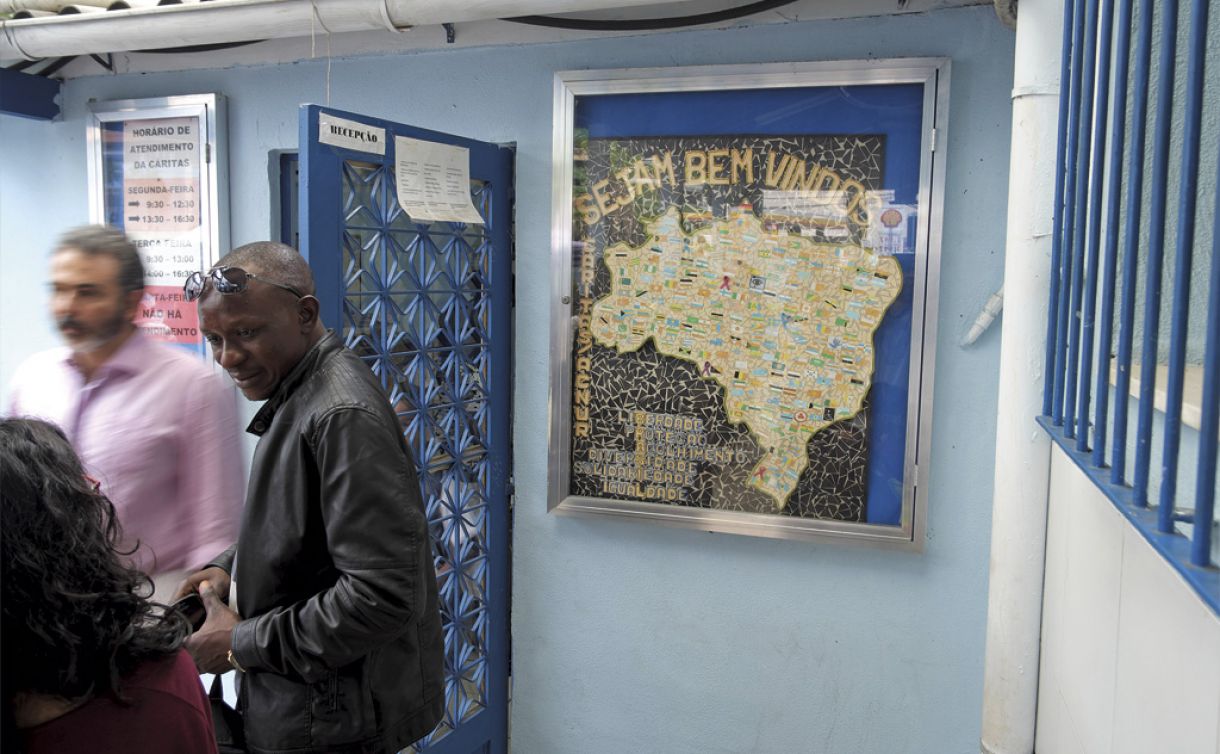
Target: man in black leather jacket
point(339, 637)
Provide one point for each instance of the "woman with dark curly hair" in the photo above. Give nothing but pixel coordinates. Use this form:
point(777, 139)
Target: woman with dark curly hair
point(89, 664)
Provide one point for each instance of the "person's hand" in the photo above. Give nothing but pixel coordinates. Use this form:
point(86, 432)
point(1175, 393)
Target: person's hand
point(216, 576)
point(210, 645)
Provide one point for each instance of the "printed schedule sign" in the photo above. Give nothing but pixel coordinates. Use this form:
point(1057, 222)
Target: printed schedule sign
point(154, 173)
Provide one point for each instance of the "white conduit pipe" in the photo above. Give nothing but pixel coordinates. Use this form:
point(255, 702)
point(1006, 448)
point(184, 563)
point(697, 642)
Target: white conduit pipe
point(991, 310)
point(1022, 467)
point(243, 20)
point(53, 6)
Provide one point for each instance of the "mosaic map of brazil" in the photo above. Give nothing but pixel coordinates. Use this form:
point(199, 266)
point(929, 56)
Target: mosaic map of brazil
point(785, 324)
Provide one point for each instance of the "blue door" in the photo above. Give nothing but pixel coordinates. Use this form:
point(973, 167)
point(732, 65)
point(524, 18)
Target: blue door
point(428, 307)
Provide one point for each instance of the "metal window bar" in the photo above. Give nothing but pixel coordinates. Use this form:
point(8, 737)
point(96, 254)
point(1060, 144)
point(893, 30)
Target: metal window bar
point(1093, 236)
point(1067, 214)
point(1052, 319)
point(1181, 277)
point(1154, 272)
point(1084, 153)
point(1131, 249)
point(1131, 234)
point(1096, 140)
point(1209, 421)
point(1105, 329)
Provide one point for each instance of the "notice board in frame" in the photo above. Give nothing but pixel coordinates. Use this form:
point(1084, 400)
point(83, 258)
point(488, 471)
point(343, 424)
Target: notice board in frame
point(158, 172)
point(745, 267)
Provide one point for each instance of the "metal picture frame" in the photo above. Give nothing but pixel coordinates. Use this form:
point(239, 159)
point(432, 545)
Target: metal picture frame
point(571, 88)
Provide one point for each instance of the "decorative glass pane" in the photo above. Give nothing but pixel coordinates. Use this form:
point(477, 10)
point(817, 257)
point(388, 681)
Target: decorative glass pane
point(416, 309)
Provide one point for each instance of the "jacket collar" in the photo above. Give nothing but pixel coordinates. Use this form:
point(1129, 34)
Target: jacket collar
point(326, 345)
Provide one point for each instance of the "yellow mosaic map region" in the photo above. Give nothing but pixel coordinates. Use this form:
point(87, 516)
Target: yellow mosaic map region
point(783, 323)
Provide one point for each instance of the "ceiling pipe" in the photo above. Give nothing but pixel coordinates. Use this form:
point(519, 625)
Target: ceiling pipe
point(53, 6)
point(1006, 11)
point(218, 21)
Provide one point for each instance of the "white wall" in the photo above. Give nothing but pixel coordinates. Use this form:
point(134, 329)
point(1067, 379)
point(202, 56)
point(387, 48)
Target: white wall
point(629, 637)
point(1130, 654)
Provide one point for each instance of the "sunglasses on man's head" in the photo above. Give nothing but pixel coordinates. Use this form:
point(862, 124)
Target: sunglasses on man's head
point(227, 280)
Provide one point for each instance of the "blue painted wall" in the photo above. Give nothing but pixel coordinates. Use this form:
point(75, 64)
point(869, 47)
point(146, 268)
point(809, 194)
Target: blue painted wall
point(42, 193)
point(628, 637)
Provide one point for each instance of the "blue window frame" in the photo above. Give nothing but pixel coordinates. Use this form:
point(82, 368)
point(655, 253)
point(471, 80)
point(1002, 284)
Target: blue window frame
point(1134, 311)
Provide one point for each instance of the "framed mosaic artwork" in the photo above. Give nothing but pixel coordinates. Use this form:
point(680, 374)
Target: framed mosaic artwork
point(745, 266)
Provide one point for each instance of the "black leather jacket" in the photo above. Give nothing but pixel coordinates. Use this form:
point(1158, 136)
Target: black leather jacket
point(341, 633)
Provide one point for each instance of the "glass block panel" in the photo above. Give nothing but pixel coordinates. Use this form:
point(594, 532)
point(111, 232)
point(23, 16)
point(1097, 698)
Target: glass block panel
point(360, 206)
point(416, 310)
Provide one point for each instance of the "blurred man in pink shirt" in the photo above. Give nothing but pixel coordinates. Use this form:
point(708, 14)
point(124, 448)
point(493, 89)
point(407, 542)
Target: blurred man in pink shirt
point(152, 422)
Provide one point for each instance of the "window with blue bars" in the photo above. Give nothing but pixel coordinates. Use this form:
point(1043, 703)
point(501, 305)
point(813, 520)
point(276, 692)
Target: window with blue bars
point(1133, 329)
